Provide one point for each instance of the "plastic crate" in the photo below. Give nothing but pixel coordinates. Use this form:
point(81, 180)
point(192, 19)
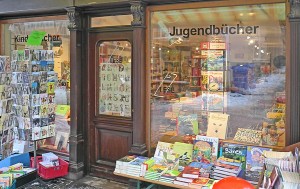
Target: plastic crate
point(38, 160)
point(16, 158)
point(54, 172)
point(13, 186)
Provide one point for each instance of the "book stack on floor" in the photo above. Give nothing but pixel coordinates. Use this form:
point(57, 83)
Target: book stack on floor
point(122, 164)
point(225, 167)
point(134, 168)
point(187, 176)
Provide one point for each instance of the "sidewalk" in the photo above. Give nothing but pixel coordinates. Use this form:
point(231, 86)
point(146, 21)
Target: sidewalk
point(87, 182)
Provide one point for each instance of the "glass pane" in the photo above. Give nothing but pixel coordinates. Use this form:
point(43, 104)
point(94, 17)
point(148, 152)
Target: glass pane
point(57, 42)
point(115, 78)
point(226, 68)
point(106, 21)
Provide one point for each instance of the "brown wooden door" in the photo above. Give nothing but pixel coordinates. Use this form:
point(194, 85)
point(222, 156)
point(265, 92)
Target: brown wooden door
point(109, 100)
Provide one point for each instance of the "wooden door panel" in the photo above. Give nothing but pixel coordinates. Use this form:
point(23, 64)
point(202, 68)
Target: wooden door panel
point(112, 144)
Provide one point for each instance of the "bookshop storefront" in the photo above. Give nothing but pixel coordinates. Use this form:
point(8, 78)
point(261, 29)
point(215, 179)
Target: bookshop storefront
point(135, 73)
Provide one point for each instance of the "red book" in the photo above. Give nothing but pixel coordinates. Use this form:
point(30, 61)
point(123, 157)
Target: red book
point(183, 179)
point(191, 172)
point(200, 181)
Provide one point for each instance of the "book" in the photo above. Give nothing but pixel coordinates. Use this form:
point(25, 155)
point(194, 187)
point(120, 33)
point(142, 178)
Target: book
point(215, 145)
point(213, 101)
point(190, 172)
point(184, 152)
point(214, 60)
point(182, 183)
point(234, 151)
point(162, 147)
point(199, 181)
point(183, 179)
point(227, 167)
point(187, 124)
point(202, 151)
point(212, 80)
point(217, 125)
point(254, 162)
point(248, 136)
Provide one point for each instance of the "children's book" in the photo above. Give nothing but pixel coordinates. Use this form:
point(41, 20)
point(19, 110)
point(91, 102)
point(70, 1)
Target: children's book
point(184, 152)
point(235, 152)
point(217, 125)
point(215, 145)
point(187, 124)
point(161, 148)
point(248, 136)
point(254, 162)
point(212, 80)
point(202, 151)
point(214, 60)
point(190, 172)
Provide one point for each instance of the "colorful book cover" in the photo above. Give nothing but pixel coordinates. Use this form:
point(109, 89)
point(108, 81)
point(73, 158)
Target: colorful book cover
point(202, 151)
point(190, 172)
point(200, 181)
point(162, 147)
point(212, 80)
point(184, 152)
point(234, 151)
point(187, 124)
point(255, 162)
point(215, 145)
point(248, 136)
point(217, 125)
point(126, 159)
point(213, 101)
point(214, 60)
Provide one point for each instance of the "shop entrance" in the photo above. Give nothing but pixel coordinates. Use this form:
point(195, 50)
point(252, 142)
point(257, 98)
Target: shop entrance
point(109, 71)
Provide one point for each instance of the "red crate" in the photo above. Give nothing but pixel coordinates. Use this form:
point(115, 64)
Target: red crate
point(38, 160)
point(54, 172)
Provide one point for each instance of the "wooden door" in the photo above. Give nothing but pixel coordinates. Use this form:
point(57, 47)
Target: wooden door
point(109, 100)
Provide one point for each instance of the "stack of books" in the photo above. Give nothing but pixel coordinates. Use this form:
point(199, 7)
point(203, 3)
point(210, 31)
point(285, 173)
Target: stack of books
point(225, 167)
point(205, 169)
point(169, 176)
point(121, 164)
point(154, 172)
point(199, 182)
point(134, 168)
point(187, 176)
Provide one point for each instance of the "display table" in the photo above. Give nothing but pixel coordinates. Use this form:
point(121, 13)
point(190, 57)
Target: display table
point(153, 182)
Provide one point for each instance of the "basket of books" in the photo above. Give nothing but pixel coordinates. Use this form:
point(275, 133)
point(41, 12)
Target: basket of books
point(53, 171)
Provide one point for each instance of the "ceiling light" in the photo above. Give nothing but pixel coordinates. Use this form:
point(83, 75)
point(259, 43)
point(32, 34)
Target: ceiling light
point(262, 51)
point(248, 37)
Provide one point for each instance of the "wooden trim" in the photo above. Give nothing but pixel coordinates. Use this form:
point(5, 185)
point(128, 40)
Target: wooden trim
point(288, 79)
point(148, 80)
point(226, 3)
point(34, 19)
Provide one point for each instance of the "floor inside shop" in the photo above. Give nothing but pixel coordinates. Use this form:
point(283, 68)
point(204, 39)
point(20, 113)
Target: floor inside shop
point(87, 182)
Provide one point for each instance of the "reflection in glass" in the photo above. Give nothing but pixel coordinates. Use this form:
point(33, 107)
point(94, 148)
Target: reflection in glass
point(115, 78)
point(231, 63)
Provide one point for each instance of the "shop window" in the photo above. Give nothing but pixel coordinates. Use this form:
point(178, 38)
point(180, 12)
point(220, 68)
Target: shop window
point(114, 78)
point(57, 41)
point(218, 70)
point(108, 21)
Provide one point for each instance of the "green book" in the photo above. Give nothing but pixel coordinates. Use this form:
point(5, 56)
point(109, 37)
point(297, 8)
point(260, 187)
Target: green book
point(184, 152)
